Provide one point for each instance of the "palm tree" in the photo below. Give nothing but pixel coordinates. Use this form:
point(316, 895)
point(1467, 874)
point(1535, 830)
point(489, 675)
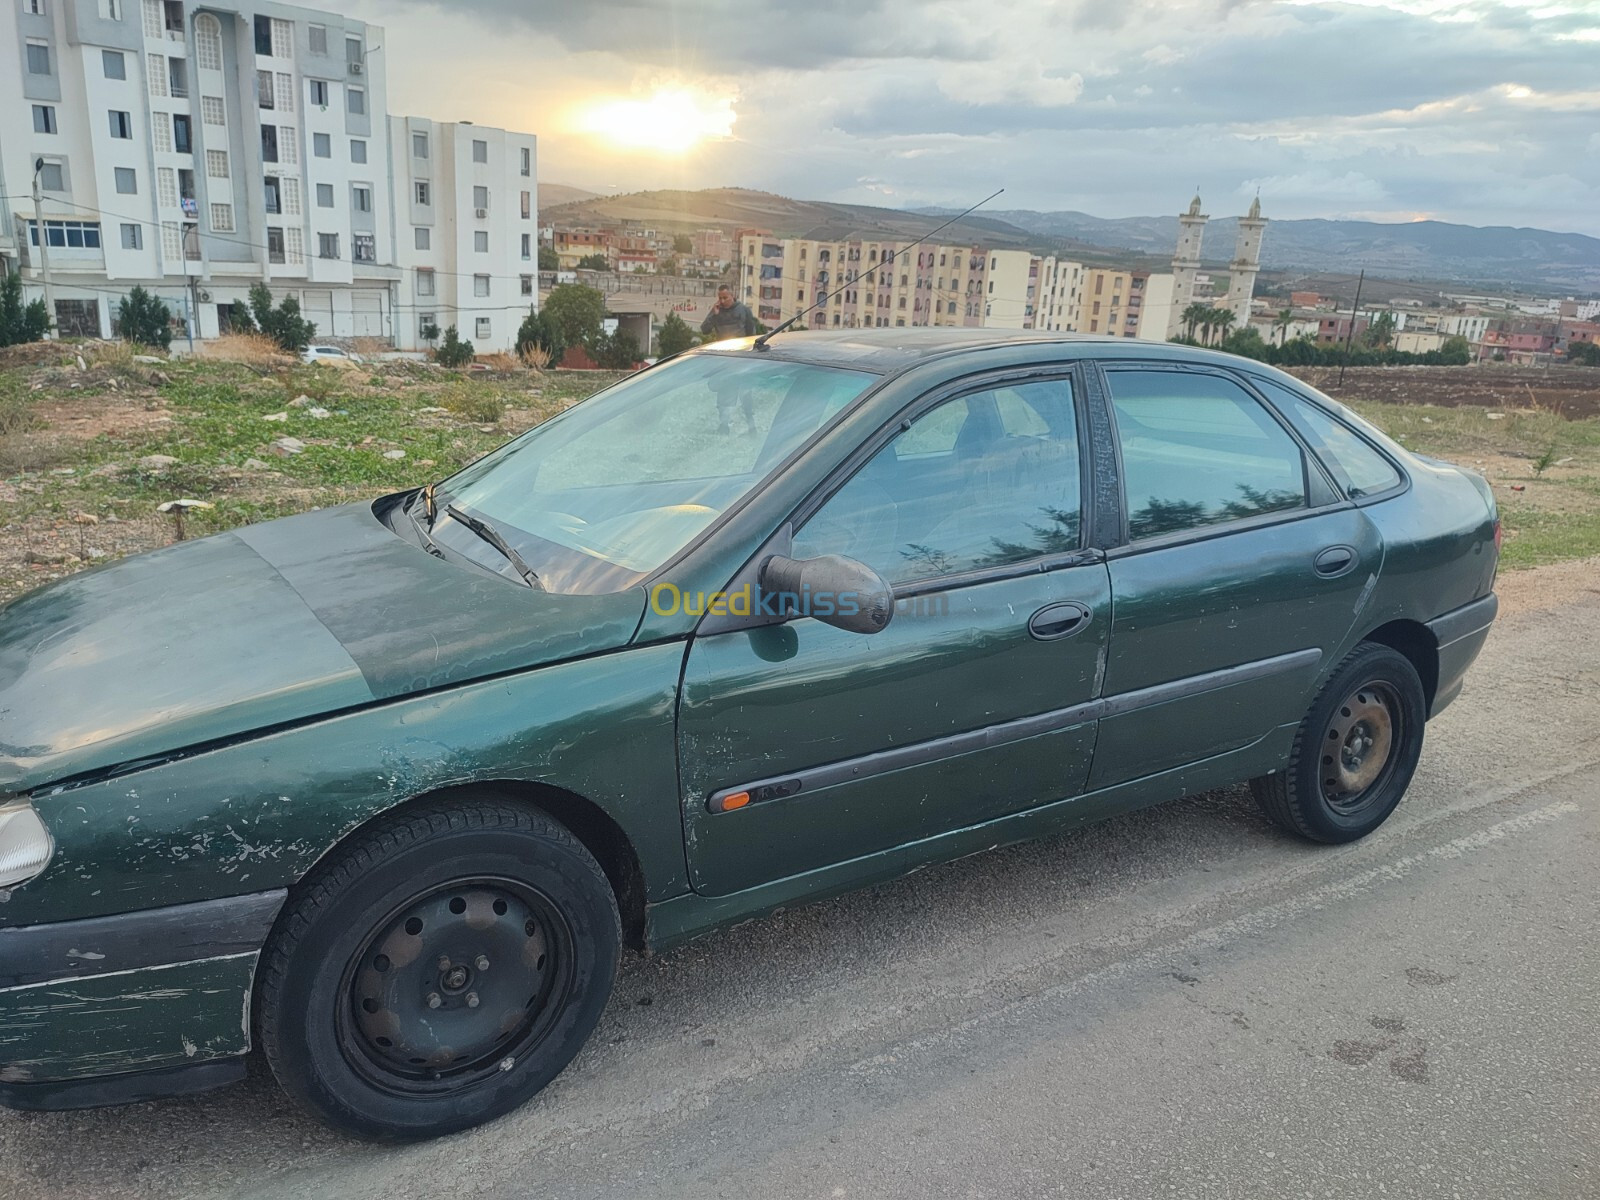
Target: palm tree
point(1192, 316)
point(1221, 319)
point(1281, 323)
point(1207, 319)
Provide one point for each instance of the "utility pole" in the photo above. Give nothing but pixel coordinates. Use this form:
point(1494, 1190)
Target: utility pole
point(44, 245)
point(1351, 332)
point(194, 309)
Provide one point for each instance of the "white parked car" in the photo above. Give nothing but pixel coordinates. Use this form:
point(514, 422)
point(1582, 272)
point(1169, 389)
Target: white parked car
point(329, 354)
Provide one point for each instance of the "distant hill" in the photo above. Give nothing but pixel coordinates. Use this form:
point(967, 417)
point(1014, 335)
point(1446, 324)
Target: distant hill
point(1466, 255)
point(553, 194)
point(1436, 250)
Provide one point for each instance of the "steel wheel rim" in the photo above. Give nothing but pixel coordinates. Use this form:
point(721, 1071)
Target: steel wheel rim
point(1358, 756)
point(455, 986)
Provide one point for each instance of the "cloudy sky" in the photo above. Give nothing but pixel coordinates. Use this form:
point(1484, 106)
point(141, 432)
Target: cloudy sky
point(1477, 111)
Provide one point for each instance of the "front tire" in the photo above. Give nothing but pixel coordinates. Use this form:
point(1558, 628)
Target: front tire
point(439, 970)
point(1355, 752)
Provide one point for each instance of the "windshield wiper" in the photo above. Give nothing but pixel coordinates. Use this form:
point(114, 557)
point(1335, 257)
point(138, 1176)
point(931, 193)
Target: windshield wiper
point(492, 535)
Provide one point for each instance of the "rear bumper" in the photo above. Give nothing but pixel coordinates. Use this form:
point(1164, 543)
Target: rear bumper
point(129, 1007)
point(1460, 635)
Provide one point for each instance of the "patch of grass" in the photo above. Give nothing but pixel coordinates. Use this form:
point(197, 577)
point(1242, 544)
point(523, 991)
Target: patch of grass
point(1535, 538)
point(474, 402)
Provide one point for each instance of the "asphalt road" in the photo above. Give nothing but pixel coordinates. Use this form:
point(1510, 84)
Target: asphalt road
point(1178, 1003)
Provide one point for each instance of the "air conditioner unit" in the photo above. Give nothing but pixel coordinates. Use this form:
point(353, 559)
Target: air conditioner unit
point(356, 68)
point(204, 296)
point(483, 214)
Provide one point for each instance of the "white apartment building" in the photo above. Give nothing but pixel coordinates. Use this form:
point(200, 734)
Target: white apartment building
point(467, 230)
point(200, 148)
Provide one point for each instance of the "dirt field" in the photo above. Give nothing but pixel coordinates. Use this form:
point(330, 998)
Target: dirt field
point(1572, 392)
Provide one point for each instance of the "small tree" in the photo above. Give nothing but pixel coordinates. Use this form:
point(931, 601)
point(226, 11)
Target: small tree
point(617, 351)
point(453, 352)
point(675, 336)
point(593, 262)
point(240, 320)
point(429, 332)
point(19, 322)
point(1583, 353)
point(538, 329)
point(577, 312)
point(145, 319)
point(682, 243)
point(283, 324)
point(549, 260)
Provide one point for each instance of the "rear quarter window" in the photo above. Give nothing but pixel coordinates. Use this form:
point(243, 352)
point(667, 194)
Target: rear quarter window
point(1357, 468)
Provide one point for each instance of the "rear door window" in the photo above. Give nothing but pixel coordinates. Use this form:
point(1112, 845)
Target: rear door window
point(1197, 451)
point(1357, 468)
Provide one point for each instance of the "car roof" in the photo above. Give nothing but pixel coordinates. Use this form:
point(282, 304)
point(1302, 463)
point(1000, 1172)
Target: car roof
point(887, 351)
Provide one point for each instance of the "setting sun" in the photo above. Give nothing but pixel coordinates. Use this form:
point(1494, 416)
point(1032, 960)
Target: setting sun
point(672, 120)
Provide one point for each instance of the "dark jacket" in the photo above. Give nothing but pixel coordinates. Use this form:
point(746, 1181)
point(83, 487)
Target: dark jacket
point(737, 321)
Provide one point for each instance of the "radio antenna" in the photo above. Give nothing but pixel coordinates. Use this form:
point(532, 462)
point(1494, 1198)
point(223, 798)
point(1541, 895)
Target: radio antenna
point(761, 342)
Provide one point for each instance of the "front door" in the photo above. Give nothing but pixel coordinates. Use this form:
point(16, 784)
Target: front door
point(962, 710)
point(1243, 573)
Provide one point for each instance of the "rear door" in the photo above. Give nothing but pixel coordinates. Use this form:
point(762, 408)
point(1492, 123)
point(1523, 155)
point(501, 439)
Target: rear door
point(966, 707)
point(1242, 571)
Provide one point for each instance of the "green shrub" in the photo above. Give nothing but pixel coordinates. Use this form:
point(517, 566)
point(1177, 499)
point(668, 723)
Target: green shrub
point(283, 324)
point(144, 319)
point(453, 352)
point(19, 322)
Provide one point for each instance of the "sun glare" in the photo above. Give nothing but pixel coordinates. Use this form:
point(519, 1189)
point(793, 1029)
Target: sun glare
point(671, 121)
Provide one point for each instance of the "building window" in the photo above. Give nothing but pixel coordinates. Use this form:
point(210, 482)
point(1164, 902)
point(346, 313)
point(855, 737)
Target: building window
point(269, 143)
point(152, 19)
point(358, 150)
point(44, 118)
point(273, 193)
point(361, 198)
point(182, 133)
point(480, 285)
point(127, 181)
point(321, 145)
point(422, 238)
point(217, 164)
point(113, 10)
point(38, 58)
point(33, 7)
point(288, 144)
point(161, 131)
point(52, 177)
point(178, 77)
point(208, 42)
point(527, 246)
point(483, 333)
point(222, 218)
point(352, 50)
point(480, 151)
point(167, 187)
point(327, 245)
point(480, 241)
point(355, 101)
point(291, 196)
point(319, 92)
point(424, 283)
point(527, 161)
point(527, 285)
point(274, 242)
point(171, 241)
point(156, 69)
point(480, 197)
point(423, 194)
point(419, 145)
point(266, 97)
point(324, 197)
point(318, 35)
point(366, 248)
point(285, 90)
point(282, 38)
point(132, 237)
point(67, 235)
point(113, 64)
point(424, 320)
point(212, 111)
point(527, 205)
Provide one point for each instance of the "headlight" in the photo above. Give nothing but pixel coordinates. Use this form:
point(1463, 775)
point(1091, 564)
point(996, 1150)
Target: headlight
point(25, 844)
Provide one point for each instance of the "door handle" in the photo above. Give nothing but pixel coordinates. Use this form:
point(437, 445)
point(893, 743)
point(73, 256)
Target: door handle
point(1059, 620)
point(1334, 561)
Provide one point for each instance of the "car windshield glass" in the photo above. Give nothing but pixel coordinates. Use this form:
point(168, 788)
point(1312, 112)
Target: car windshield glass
point(604, 494)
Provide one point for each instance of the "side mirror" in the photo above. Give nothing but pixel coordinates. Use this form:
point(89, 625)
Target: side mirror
point(833, 589)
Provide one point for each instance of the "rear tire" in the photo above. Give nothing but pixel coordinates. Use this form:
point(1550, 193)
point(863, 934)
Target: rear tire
point(438, 970)
point(1355, 752)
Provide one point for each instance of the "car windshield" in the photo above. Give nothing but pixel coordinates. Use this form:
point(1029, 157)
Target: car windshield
point(603, 495)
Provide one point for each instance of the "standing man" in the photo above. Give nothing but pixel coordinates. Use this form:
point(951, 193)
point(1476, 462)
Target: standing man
point(728, 318)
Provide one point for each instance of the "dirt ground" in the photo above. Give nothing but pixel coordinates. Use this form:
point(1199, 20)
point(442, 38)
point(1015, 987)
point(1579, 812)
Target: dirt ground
point(1572, 392)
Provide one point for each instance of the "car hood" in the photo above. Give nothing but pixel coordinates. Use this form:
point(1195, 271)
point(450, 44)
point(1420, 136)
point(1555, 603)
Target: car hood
point(266, 625)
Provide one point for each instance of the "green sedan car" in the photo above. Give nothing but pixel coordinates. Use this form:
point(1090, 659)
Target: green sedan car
point(385, 789)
